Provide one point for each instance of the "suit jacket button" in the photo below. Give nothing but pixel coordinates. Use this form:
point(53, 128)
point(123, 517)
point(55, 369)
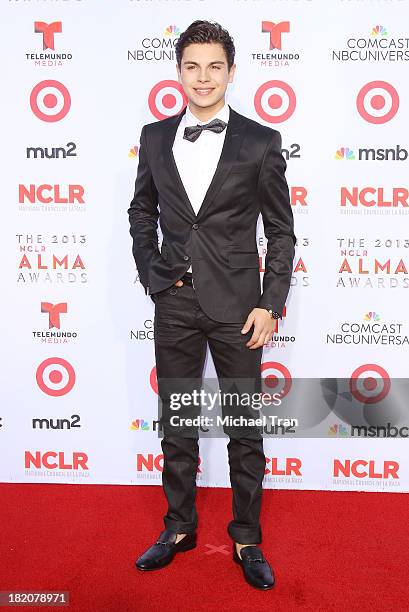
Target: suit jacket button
point(185, 257)
point(195, 226)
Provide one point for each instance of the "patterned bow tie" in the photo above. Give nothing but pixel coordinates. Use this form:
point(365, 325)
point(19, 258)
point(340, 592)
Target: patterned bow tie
point(192, 132)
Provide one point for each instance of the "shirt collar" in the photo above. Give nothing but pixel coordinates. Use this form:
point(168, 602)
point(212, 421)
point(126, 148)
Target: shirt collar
point(223, 114)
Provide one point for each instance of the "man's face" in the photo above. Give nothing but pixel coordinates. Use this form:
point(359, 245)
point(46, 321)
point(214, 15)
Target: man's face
point(204, 73)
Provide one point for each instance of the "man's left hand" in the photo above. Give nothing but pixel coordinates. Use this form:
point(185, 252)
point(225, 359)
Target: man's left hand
point(264, 327)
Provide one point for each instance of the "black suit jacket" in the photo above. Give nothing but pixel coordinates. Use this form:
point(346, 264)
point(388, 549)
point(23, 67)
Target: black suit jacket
point(220, 241)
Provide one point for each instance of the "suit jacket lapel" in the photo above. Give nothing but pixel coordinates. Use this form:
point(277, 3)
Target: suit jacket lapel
point(231, 146)
point(168, 158)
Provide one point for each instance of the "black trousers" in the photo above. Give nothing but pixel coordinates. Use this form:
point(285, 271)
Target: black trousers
point(181, 332)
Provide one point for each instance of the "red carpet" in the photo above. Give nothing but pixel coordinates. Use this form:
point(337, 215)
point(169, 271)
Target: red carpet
point(330, 550)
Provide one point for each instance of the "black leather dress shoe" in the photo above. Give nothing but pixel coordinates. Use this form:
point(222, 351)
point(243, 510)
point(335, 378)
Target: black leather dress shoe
point(256, 568)
point(162, 552)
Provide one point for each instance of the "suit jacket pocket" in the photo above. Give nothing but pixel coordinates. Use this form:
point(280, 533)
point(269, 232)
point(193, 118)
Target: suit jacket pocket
point(243, 260)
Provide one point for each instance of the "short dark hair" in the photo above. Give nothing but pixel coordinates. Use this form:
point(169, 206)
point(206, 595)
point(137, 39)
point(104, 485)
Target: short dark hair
point(205, 32)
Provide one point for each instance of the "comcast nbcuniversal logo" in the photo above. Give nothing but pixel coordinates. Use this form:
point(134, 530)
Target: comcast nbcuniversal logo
point(376, 45)
point(156, 48)
point(371, 330)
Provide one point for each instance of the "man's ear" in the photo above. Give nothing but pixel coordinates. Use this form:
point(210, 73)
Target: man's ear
point(231, 73)
point(178, 73)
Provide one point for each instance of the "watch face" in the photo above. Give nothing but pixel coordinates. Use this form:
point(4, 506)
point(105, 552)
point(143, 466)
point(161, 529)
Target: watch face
point(273, 313)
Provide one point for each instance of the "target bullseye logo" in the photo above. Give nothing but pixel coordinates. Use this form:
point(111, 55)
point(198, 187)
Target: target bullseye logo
point(370, 383)
point(55, 376)
point(377, 102)
point(153, 380)
point(166, 99)
point(50, 101)
point(275, 101)
point(277, 378)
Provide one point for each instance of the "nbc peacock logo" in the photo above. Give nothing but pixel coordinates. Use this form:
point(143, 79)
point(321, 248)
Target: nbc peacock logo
point(372, 316)
point(379, 30)
point(139, 425)
point(133, 152)
point(172, 30)
point(338, 430)
point(345, 153)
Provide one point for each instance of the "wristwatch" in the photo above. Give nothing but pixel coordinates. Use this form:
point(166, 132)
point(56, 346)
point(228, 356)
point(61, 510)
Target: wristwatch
point(273, 314)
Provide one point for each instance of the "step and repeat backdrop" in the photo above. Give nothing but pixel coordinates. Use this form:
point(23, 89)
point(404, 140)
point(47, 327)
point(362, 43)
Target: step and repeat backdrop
point(79, 80)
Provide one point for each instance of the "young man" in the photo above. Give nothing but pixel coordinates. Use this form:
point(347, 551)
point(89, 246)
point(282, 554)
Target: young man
point(211, 171)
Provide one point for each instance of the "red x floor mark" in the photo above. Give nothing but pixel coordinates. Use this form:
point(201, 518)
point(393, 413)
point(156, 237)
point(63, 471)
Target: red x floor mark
point(213, 549)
